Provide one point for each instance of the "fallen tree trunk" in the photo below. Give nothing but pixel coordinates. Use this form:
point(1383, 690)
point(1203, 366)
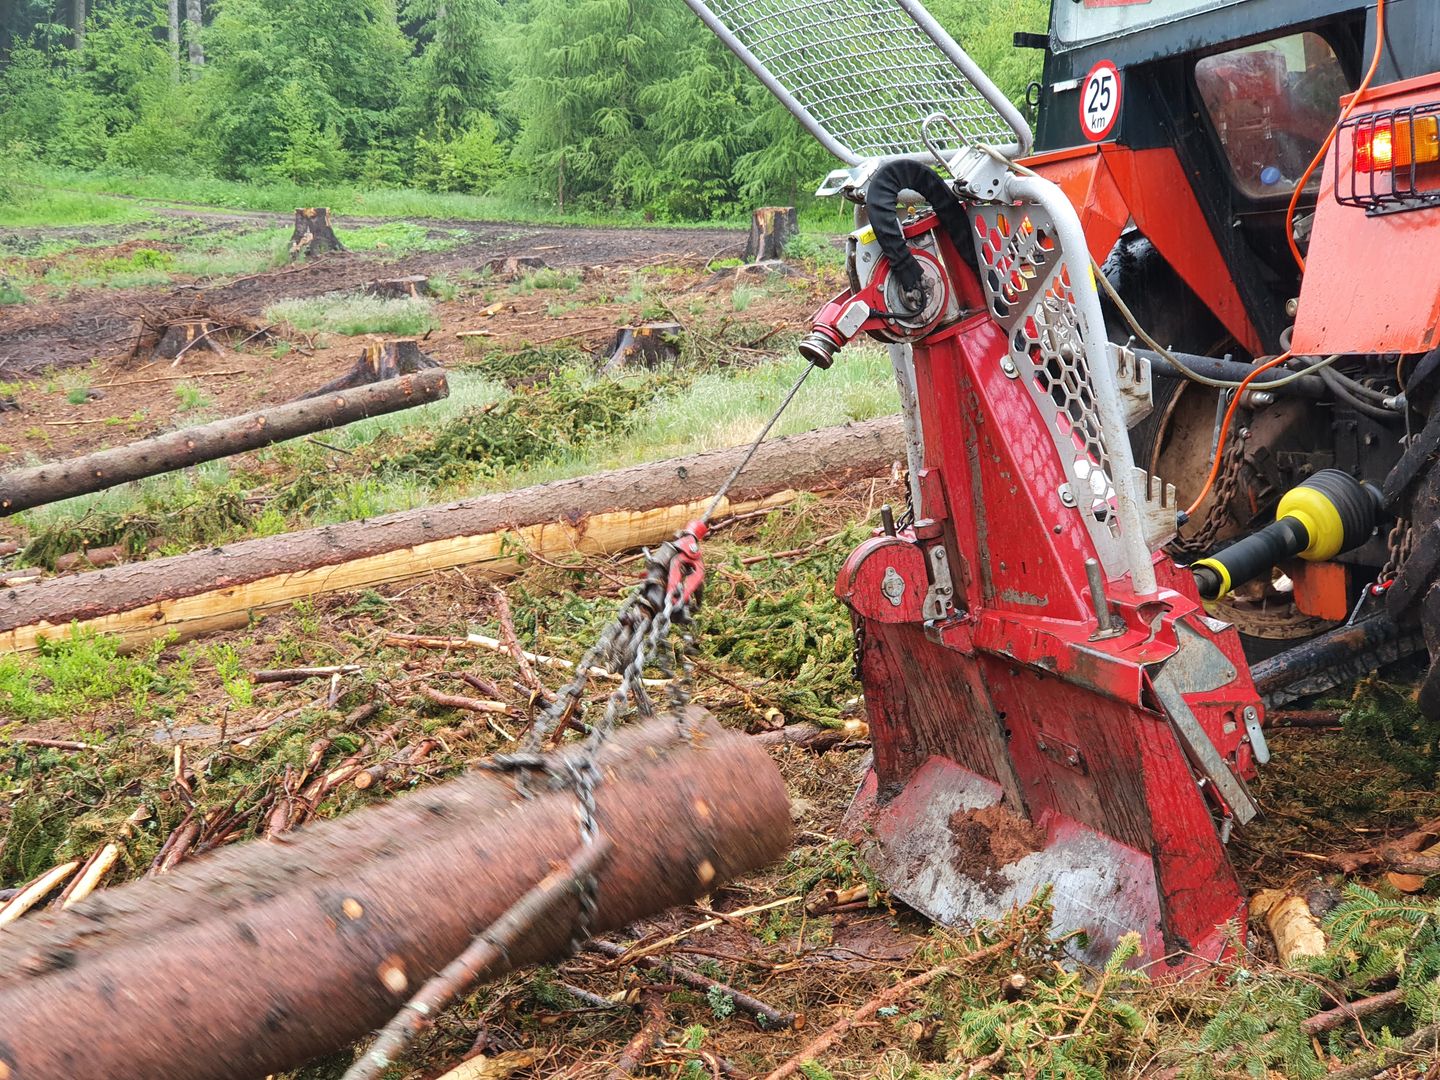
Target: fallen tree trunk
point(615, 511)
point(261, 957)
point(24, 488)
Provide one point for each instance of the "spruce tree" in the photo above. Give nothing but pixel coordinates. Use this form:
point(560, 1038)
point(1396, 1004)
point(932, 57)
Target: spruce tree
point(581, 67)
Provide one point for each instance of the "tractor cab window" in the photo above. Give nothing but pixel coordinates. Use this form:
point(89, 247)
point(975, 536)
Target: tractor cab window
point(1272, 106)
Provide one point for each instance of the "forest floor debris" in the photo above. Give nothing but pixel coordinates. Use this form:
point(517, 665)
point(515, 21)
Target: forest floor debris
point(277, 752)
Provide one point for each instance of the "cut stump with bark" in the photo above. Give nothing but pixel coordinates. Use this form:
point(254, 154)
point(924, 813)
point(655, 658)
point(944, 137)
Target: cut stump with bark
point(260, 957)
point(21, 489)
point(379, 360)
point(771, 228)
point(314, 233)
point(187, 336)
point(414, 287)
point(646, 346)
point(507, 267)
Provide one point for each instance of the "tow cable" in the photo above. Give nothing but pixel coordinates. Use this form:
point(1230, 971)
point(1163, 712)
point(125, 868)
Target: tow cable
point(640, 633)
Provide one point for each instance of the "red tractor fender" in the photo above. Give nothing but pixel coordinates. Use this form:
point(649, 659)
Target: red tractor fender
point(1372, 282)
point(1112, 185)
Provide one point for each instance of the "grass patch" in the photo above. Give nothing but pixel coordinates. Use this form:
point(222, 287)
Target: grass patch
point(727, 407)
point(191, 397)
point(87, 190)
point(69, 673)
point(50, 206)
point(353, 314)
point(10, 293)
point(547, 279)
point(401, 238)
point(248, 253)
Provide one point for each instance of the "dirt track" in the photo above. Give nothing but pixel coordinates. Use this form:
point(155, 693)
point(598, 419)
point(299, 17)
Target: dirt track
point(91, 323)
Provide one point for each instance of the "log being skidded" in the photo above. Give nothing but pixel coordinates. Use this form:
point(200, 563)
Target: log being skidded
point(261, 957)
point(221, 588)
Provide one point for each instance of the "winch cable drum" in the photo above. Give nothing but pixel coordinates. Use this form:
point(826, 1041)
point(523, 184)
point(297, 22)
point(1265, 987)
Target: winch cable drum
point(1329, 513)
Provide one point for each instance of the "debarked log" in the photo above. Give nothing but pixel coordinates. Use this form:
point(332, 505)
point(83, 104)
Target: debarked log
point(259, 958)
point(21, 489)
point(218, 588)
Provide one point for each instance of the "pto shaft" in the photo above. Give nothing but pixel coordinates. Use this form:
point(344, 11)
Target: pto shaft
point(1329, 513)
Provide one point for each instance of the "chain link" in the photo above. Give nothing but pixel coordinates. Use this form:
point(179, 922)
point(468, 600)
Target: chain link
point(1397, 545)
point(1227, 485)
point(639, 636)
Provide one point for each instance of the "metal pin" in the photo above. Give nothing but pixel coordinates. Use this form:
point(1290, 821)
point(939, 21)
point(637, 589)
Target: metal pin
point(1097, 593)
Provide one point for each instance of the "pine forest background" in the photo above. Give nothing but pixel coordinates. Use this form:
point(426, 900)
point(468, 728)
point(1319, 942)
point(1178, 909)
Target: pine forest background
point(617, 109)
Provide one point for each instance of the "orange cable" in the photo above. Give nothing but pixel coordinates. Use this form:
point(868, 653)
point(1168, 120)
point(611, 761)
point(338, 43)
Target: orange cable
point(1225, 429)
point(1330, 139)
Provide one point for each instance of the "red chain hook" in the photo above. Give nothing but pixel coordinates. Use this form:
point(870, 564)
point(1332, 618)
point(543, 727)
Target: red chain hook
point(687, 569)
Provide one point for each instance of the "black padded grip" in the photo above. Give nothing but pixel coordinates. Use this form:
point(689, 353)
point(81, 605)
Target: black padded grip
point(1247, 559)
point(880, 201)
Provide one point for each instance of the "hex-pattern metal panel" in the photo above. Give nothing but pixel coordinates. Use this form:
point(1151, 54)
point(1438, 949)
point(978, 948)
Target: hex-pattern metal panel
point(1028, 287)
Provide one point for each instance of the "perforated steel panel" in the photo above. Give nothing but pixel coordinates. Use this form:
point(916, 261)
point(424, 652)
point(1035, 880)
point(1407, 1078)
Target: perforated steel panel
point(864, 74)
point(1027, 284)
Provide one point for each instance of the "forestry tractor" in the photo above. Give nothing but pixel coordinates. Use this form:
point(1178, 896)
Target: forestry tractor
point(1168, 372)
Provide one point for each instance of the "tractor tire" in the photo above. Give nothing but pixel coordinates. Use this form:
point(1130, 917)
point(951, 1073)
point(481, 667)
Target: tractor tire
point(1173, 441)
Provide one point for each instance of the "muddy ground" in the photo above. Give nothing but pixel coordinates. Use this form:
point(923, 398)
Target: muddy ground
point(101, 337)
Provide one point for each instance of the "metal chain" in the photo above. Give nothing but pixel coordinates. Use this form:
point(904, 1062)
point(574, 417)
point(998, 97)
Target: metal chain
point(1227, 485)
point(1397, 545)
point(639, 635)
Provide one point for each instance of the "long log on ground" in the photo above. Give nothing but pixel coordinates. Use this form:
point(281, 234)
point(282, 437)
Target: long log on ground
point(21, 489)
point(222, 587)
point(261, 957)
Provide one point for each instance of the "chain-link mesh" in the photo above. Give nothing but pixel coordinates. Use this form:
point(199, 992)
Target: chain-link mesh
point(865, 70)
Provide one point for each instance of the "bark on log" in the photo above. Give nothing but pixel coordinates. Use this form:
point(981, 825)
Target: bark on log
point(380, 360)
point(771, 228)
point(263, 956)
point(221, 587)
point(314, 233)
point(21, 489)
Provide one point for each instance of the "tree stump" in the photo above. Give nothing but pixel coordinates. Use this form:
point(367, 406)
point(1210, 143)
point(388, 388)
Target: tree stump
point(771, 228)
point(380, 360)
point(514, 266)
point(413, 287)
point(647, 346)
point(314, 233)
point(187, 335)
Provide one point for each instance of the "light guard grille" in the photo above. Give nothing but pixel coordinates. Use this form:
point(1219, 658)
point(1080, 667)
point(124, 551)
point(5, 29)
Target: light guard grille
point(1389, 188)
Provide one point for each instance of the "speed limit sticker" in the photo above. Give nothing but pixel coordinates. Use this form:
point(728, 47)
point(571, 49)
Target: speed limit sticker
point(1100, 101)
